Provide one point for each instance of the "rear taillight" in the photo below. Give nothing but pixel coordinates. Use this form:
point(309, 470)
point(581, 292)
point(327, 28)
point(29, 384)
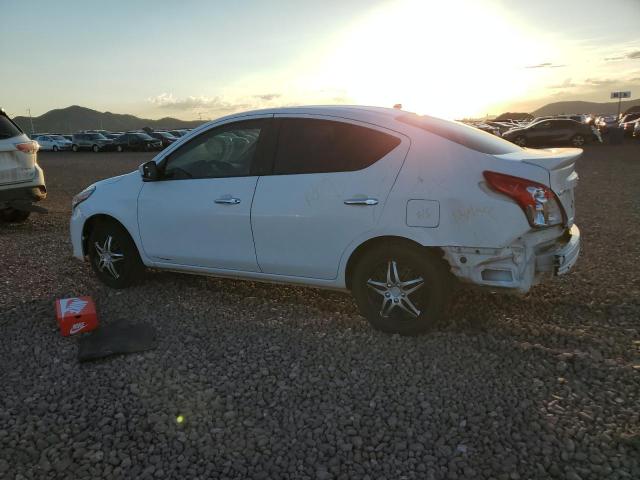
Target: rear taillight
point(28, 147)
point(538, 202)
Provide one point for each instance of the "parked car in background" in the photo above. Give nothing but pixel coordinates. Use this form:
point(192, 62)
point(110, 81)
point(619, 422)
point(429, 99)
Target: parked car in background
point(165, 137)
point(550, 132)
point(95, 142)
point(53, 143)
point(606, 122)
point(136, 141)
point(628, 122)
point(178, 133)
point(387, 204)
point(21, 178)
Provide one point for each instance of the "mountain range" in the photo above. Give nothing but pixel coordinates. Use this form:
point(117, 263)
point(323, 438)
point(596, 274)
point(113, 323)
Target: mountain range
point(607, 108)
point(75, 118)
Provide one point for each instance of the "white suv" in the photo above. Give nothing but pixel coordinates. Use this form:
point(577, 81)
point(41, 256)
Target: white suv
point(21, 179)
point(387, 204)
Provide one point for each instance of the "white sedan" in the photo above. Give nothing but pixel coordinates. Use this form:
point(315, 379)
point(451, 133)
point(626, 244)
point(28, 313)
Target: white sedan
point(392, 206)
point(53, 143)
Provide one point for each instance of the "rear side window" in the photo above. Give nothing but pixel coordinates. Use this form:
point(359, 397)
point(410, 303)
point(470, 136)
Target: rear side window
point(462, 134)
point(8, 129)
point(320, 146)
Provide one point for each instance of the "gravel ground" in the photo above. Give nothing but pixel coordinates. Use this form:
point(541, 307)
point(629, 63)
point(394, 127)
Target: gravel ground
point(282, 382)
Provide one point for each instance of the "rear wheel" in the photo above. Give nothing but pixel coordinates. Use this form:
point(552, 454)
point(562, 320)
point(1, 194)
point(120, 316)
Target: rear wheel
point(578, 140)
point(74, 148)
point(95, 149)
point(119, 148)
point(55, 148)
point(402, 289)
point(114, 256)
point(11, 215)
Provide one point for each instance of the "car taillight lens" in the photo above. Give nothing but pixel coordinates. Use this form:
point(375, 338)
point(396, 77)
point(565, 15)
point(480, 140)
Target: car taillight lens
point(538, 202)
point(28, 147)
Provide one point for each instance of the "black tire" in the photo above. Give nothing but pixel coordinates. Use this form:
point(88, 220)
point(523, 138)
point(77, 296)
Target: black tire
point(119, 148)
point(128, 267)
point(74, 148)
point(95, 149)
point(578, 140)
point(11, 215)
point(413, 263)
point(520, 141)
point(55, 148)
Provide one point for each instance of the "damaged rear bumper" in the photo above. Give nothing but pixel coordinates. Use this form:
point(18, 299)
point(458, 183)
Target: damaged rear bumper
point(520, 266)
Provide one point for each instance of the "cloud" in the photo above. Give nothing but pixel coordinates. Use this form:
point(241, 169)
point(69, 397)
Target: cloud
point(545, 65)
point(566, 84)
point(635, 55)
point(192, 103)
point(599, 82)
point(267, 97)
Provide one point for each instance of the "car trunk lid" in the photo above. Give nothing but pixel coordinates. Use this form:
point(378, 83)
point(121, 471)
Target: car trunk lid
point(15, 166)
point(560, 165)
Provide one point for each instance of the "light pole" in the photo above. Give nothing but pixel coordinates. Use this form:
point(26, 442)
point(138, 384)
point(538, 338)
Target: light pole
point(31, 121)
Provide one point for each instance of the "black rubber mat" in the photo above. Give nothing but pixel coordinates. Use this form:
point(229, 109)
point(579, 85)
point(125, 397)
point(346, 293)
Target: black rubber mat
point(116, 338)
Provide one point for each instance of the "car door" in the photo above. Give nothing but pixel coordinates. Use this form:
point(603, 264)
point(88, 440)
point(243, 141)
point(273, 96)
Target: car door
point(328, 186)
point(539, 134)
point(198, 213)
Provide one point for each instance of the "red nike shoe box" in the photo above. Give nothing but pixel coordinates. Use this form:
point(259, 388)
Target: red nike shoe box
point(76, 315)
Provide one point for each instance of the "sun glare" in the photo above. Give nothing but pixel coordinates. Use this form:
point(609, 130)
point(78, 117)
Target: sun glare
point(448, 59)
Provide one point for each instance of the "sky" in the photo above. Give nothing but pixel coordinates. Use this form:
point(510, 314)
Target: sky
point(195, 59)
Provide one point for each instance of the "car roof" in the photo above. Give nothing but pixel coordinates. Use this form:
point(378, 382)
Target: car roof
point(353, 112)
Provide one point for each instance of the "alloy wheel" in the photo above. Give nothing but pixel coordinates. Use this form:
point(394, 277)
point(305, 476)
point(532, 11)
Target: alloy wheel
point(578, 140)
point(394, 291)
point(108, 256)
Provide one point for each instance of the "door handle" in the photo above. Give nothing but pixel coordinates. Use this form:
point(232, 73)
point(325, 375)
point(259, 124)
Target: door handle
point(361, 201)
point(228, 201)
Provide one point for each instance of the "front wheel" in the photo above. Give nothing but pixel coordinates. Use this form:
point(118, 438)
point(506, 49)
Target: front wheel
point(74, 148)
point(114, 256)
point(95, 149)
point(119, 148)
point(578, 140)
point(55, 148)
point(402, 289)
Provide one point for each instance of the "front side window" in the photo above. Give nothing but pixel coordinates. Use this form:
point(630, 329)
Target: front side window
point(226, 151)
point(321, 146)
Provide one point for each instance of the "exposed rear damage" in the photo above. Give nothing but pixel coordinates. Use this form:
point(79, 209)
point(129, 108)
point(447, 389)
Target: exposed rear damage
point(543, 251)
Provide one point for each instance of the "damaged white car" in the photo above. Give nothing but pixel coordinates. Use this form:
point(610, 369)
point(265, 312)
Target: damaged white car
point(387, 204)
point(21, 178)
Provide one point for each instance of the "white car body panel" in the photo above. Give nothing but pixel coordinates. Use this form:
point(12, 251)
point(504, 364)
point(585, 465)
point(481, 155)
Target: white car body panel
point(297, 229)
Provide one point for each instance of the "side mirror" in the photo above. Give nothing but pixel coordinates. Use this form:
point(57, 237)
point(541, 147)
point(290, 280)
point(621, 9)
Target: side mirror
point(149, 171)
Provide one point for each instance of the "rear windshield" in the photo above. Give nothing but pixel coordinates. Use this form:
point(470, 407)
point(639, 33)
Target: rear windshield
point(462, 134)
point(8, 129)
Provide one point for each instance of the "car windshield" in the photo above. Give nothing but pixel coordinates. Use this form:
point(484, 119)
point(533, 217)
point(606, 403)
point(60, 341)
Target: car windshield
point(462, 134)
point(166, 134)
point(58, 138)
point(97, 136)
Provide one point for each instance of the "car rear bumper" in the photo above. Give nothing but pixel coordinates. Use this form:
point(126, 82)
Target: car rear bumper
point(534, 258)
